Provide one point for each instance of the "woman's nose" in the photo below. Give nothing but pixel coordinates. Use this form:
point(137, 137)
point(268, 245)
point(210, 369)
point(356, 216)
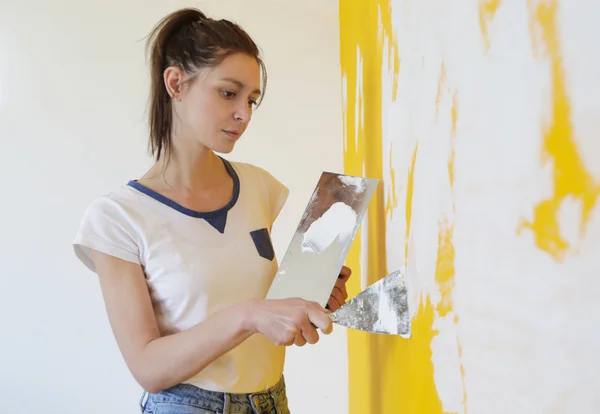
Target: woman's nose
point(243, 113)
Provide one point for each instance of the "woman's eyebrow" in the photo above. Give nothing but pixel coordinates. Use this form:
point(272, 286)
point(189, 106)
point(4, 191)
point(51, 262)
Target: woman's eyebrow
point(240, 84)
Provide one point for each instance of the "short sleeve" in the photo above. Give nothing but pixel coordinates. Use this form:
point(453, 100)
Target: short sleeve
point(278, 194)
point(105, 228)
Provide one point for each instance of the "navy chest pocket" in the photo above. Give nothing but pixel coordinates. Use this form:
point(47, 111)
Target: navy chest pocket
point(262, 241)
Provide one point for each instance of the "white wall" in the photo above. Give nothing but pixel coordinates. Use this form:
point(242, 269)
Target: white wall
point(72, 98)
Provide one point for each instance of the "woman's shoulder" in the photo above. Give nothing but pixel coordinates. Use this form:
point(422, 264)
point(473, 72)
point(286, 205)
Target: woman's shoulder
point(268, 188)
point(253, 171)
point(109, 226)
point(116, 202)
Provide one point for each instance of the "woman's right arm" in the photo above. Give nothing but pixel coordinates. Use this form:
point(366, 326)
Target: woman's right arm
point(159, 362)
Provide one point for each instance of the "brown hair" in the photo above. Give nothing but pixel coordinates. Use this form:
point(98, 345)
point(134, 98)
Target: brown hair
point(190, 41)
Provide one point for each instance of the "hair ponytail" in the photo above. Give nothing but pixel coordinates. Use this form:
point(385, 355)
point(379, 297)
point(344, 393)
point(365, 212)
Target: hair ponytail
point(189, 40)
point(161, 117)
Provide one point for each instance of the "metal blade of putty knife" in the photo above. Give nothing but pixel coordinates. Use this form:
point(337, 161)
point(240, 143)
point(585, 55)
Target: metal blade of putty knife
point(319, 247)
point(380, 308)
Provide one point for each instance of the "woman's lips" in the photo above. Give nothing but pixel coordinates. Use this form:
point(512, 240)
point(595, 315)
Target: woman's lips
point(232, 134)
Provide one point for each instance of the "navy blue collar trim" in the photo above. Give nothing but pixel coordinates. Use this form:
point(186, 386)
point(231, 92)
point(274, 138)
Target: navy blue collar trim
point(216, 218)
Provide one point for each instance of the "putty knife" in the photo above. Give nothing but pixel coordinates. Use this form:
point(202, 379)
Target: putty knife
point(319, 247)
point(380, 308)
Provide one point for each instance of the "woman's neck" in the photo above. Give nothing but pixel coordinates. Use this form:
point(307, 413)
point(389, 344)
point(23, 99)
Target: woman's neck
point(192, 169)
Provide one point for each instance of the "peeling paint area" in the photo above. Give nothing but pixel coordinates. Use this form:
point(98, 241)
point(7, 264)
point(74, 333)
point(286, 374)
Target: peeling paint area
point(481, 120)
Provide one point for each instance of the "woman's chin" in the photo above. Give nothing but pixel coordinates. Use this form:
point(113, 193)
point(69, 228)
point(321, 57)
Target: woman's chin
point(224, 147)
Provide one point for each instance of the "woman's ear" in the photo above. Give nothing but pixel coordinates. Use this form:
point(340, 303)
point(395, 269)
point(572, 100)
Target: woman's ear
point(173, 77)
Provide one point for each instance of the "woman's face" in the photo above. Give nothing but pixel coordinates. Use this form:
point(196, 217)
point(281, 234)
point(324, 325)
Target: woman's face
point(215, 108)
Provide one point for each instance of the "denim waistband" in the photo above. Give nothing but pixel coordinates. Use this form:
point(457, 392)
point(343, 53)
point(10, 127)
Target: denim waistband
point(273, 400)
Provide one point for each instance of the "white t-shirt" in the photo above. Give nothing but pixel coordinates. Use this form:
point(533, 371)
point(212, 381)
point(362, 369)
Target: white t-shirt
point(198, 263)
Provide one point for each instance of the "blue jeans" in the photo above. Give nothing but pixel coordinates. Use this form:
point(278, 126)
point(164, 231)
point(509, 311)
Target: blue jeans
point(188, 399)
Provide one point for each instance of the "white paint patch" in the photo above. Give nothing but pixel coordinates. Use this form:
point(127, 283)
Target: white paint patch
point(337, 223)
point(358, 182)
point(447, 376)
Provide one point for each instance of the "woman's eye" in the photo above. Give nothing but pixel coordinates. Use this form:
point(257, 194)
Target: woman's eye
point(228, 94)
point(252, 103)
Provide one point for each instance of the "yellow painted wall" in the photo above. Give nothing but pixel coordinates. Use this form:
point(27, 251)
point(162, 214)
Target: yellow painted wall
point(482, 120)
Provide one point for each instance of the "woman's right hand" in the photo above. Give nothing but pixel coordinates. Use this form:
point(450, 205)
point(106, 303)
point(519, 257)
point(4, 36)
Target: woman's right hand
point(289, 321)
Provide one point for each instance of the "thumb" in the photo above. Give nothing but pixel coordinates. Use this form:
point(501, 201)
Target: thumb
point(321, 320)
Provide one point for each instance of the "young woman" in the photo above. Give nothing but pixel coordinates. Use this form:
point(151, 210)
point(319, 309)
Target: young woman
point(183, 253)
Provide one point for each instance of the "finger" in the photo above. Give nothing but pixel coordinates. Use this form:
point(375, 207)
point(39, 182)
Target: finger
point(287, 341)
point(341, 285)
point(333, 304)
point(310, 334)
point(338, 296)
point(299, 340)
point(345, 273)
point(288, 334)
point(321, 308)
point(317, 306)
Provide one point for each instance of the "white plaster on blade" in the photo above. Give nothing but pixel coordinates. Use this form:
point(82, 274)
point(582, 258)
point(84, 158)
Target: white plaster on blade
point(388, 318)
point(358, 182)
point(336, 223)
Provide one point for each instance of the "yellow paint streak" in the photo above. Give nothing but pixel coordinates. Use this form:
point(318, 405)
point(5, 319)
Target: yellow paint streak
point(392, 201)
point(387, 374)
point(438, 96)
point(392, 45)
point(570, 177)
point(454, 112)
point(462, 369)
point(409, 199)
point(396, 71)
point(444, 276)
point(412, 360)
point(487, 10)
point(444, 269)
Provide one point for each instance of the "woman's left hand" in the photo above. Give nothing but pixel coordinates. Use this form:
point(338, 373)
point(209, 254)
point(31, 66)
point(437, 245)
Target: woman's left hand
point(339, 294)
